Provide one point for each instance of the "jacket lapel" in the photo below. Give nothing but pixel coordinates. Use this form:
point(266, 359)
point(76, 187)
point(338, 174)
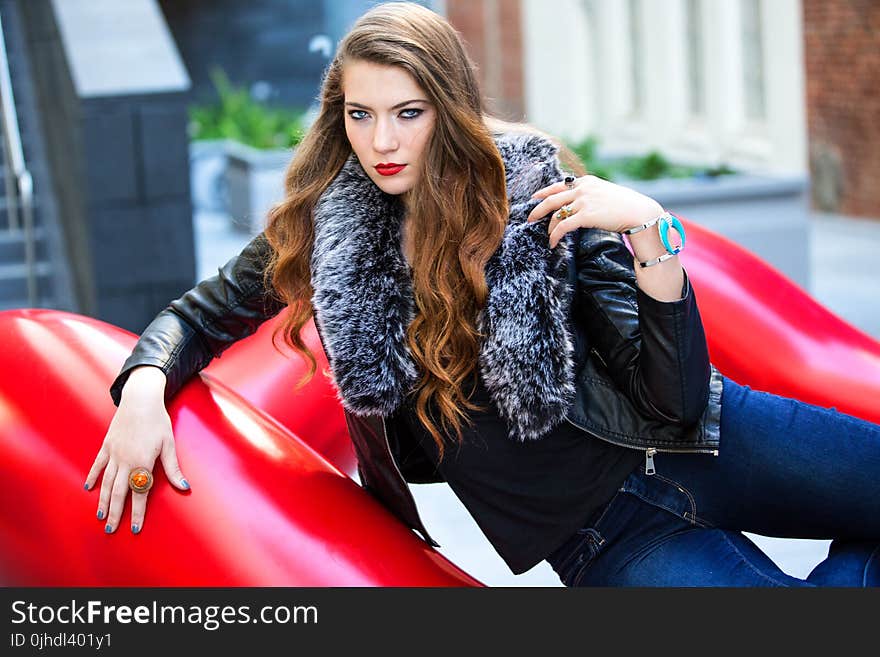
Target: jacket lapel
point(363, 297)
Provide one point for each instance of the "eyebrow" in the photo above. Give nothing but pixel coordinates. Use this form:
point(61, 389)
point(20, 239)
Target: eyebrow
point(406, 102)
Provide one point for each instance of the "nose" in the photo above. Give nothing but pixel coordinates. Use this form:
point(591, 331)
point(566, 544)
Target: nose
point(384, 136)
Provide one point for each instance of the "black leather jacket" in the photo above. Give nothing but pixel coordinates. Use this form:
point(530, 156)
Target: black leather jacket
point(644, 379)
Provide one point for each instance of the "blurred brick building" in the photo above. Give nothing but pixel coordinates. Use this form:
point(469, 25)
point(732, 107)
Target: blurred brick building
point(842, 55)
point(492, 30)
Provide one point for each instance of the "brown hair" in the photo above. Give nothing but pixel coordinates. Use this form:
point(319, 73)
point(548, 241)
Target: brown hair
point(458, 207)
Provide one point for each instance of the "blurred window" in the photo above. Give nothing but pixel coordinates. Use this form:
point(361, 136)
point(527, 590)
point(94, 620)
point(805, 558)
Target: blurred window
point(695, 63)
point(637, 67)
point(753, 59)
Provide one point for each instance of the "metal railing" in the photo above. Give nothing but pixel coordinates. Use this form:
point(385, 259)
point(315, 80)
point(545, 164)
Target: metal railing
point(19, 184)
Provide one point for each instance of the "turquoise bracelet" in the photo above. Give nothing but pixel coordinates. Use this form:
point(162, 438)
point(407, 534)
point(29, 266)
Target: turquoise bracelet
point(664, 222)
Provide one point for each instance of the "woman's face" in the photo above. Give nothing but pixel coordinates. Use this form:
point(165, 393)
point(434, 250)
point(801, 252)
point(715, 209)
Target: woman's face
point(388, 120)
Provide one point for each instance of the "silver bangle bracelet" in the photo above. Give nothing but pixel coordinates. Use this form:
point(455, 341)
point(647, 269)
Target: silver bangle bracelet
point(665, 256)
point(638, 229)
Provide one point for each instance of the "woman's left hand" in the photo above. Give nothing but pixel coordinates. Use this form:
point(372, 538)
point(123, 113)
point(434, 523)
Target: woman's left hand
point(596, 203)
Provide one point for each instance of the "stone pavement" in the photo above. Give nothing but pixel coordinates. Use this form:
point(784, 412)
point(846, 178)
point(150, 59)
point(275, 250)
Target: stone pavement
point(844, 255)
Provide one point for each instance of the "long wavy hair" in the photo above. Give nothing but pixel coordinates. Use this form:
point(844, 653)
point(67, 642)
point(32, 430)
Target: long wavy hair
point(457, 210)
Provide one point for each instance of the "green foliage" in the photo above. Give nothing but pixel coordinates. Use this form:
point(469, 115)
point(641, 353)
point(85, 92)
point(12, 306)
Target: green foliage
point(238, 116)
point(720, 170)
point(650, 166)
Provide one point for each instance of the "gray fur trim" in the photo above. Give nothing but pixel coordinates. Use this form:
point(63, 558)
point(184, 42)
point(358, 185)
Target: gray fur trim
point(363, 297)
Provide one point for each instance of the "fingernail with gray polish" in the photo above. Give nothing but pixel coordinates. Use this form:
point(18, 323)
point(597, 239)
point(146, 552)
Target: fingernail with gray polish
point(100, 514)
point(108, 529)
point(135, 529)
point(184, 483)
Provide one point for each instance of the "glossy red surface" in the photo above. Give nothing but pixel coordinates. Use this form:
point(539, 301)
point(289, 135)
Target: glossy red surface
point(265, 509)
point(266, 377)
point(765, 331)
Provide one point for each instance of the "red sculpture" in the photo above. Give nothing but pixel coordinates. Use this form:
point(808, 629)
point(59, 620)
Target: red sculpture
point(265, 508)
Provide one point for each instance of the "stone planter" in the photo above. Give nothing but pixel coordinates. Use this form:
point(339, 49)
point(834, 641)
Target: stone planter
point(234, 179)
point(207, 165)
point(254, 182)
point(767, 214)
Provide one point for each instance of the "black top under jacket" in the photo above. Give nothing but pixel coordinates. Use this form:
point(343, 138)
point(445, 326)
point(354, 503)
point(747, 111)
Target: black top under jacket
point(526, 497)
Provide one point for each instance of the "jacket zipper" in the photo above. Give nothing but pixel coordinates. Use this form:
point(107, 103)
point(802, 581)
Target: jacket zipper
point(649, 460)
point(649, 451)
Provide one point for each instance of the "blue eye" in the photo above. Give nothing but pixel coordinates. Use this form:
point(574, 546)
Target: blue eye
point(407, 118)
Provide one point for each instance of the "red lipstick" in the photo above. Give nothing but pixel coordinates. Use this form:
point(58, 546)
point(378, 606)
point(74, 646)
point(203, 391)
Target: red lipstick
point(389, 168)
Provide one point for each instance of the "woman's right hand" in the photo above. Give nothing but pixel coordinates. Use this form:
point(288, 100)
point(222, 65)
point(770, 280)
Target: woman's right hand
point(139, 432)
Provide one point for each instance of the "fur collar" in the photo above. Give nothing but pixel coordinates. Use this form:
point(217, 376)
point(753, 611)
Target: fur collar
point(363, 297)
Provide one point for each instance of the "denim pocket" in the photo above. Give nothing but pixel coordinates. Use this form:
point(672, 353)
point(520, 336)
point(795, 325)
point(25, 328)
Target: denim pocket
point(664, 493)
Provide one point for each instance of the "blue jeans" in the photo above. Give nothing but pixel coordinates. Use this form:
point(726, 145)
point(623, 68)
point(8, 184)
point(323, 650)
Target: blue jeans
point(785, 468)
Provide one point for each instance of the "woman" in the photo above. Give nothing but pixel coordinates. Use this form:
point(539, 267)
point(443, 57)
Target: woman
point(458, 279)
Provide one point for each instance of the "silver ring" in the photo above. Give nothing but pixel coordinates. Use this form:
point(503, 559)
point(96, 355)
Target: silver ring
point(569, 181)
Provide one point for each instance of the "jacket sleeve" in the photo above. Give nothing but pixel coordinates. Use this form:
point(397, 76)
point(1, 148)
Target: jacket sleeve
point(197, 327)
point(654, 351)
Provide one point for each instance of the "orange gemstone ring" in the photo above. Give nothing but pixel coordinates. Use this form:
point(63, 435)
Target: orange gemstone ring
point(140, 480)
point(565, 211)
